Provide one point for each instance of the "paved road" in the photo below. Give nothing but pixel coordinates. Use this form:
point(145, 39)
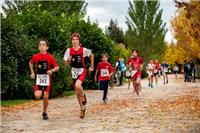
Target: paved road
point(174, 107)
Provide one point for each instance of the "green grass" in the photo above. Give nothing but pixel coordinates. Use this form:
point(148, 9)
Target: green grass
point(6, 103)
point(69, 93)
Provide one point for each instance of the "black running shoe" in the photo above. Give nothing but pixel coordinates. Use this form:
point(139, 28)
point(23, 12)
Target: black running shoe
point(83, 111)
point(45, 116)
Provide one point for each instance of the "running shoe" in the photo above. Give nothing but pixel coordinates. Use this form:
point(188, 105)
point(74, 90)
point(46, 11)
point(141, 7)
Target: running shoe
point(45, 116)
point(83, 111)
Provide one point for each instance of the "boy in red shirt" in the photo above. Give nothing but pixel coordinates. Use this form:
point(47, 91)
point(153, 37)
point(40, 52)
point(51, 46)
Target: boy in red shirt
point(105, 72)
point(75, 55)
point(43, 61)
point(136, 63)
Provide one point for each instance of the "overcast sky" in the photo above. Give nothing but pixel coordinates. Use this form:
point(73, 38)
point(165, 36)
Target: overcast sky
point(103, 10)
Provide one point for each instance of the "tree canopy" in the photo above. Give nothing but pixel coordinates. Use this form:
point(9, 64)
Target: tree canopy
point(146, 30)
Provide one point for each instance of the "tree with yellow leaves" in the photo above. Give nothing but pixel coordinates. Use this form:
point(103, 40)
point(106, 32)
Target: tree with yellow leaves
point(186, 30)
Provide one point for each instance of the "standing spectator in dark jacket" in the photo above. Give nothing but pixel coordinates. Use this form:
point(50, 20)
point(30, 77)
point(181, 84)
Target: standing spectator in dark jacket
point(186, 71)
point(193, 71)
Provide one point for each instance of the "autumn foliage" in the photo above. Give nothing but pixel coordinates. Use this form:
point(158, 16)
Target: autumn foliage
point(186, 30)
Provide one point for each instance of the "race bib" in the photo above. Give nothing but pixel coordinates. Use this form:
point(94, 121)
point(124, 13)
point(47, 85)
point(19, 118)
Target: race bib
point(42, 80)
point(104, 72)
point(175, 68)
point(76, 72)
point(128, 74)
point(150, 73)
point(165, 70)
point(133, 72)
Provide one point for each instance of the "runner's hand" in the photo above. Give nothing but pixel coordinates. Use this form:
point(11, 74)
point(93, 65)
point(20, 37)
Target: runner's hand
point(95, 79)
point(69, 59)
point(91, 69)
point(32, 75)
point(50, 72)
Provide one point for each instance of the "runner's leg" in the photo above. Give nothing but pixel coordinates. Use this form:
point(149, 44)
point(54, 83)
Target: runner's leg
point(45, 101)
point(156, 78)
point(38, 94)
point(151, 80)
point(81, 96)
point(105, 90)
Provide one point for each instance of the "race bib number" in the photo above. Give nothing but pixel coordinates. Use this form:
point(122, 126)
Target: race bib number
point(150, 73)
point(165, 70)
point(133, 72)
point(104, 72)
point(42, 79)
point(76, 72)
point(175, 68)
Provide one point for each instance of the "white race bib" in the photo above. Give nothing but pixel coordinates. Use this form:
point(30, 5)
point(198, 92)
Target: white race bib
point(165, 70)
point(76, 72)
point(104, 72)
point(42, 79)
point(150, 73)
point(128, 74)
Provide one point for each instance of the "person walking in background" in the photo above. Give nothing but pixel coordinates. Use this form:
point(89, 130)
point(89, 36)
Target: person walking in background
point(119, 71)
point(156, 70)
point(122, 70)
point(193, 71)
point(128, 75)
point(136, 63)
point(75, 55)
point(165, 67)
point(176, 70)
point(186, 71)
point(43, 61)
point(150, 71)
point(105, 71)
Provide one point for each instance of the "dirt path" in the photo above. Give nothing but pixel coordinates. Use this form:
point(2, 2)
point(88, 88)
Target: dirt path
point(174, 107)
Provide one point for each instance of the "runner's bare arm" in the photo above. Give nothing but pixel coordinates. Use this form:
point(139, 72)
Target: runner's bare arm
point(110, 74)
point(31, 69)
point(68, 61)
point(95, 76)
point(92, 62)
point(141, 66)
point(128, 64)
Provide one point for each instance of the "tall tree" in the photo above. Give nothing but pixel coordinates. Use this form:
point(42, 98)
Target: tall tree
point(115, 32)
point(54, 7)
point(146, 30)
point(186, 29)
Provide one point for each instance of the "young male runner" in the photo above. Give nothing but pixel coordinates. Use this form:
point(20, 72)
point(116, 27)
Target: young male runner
point(43, 61)
point(75, 55)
